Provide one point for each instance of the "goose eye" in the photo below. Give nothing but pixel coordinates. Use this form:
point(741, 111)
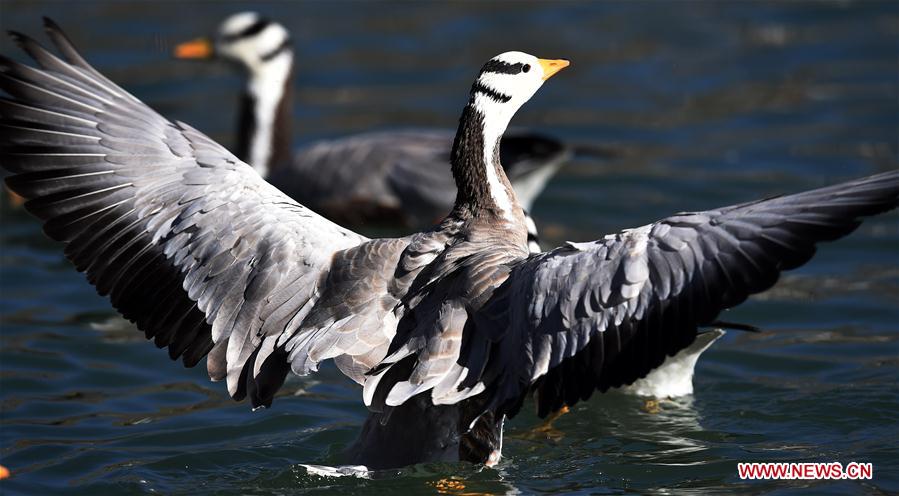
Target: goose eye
point(526, 68)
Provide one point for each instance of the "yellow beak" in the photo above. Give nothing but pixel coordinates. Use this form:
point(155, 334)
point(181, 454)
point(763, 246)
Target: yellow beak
point(551, 67)
point(200, 48)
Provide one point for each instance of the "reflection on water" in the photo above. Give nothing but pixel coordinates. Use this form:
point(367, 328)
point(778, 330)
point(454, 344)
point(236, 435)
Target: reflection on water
point(711, 103)
point(670, 428)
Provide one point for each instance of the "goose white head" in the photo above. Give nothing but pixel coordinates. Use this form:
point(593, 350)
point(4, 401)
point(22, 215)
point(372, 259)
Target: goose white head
point(506, 82)
point(253, 42)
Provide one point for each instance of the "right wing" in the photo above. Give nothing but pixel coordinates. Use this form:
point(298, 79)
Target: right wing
point(188, 241)
point(590, 316)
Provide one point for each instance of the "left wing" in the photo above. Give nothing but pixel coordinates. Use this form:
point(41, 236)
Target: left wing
point(188, 241)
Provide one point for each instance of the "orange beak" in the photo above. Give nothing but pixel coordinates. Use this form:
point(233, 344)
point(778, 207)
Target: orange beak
point(551, 67)
point(200, 48)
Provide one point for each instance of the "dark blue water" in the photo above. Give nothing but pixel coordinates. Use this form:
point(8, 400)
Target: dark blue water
point(707, 103)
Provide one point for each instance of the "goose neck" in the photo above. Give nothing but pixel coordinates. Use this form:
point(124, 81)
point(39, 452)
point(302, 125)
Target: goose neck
point(264, 135)
point(482, 184)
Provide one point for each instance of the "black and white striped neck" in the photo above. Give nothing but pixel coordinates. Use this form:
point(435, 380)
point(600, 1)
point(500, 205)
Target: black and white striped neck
point(483, 188)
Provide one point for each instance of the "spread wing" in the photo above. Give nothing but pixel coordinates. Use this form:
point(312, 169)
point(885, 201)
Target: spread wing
point(188, 241)
point(603, 314)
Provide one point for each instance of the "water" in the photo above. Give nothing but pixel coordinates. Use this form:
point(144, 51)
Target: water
point(709, 104)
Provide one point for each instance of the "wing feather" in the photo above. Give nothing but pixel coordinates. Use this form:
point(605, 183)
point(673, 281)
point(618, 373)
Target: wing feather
point(612, 310)
point(188, 241)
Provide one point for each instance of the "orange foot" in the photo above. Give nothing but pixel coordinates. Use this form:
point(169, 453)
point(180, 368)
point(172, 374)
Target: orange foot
point(546, 429)
point(652, 406)
point(449, 486)
point(547, 425)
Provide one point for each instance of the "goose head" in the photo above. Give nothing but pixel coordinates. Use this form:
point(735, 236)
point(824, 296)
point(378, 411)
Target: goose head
point(252, 42)
point(509, 80)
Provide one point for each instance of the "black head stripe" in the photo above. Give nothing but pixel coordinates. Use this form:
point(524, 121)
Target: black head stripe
point(248, 31)
point(479, 87)
point(283, 47)
point(500, 67)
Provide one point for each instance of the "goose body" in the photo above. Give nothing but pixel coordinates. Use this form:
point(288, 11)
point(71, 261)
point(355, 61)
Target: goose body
point(447, 330)
point(390, 177)
point(385, 177)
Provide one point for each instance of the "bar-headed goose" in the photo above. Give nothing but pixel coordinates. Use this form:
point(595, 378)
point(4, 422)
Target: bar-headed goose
point(447, 330)
point(393, 176)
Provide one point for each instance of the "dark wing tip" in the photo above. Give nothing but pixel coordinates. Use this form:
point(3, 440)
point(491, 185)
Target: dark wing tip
point(10, 183)
point(17, 37)
point(5, 63)
point(26, 43)
point(52, 28)
point(67, 48)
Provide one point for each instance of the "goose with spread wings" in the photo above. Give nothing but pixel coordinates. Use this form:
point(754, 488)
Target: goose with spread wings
point(398, 177)
point(447, 330)
point(393, 177)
